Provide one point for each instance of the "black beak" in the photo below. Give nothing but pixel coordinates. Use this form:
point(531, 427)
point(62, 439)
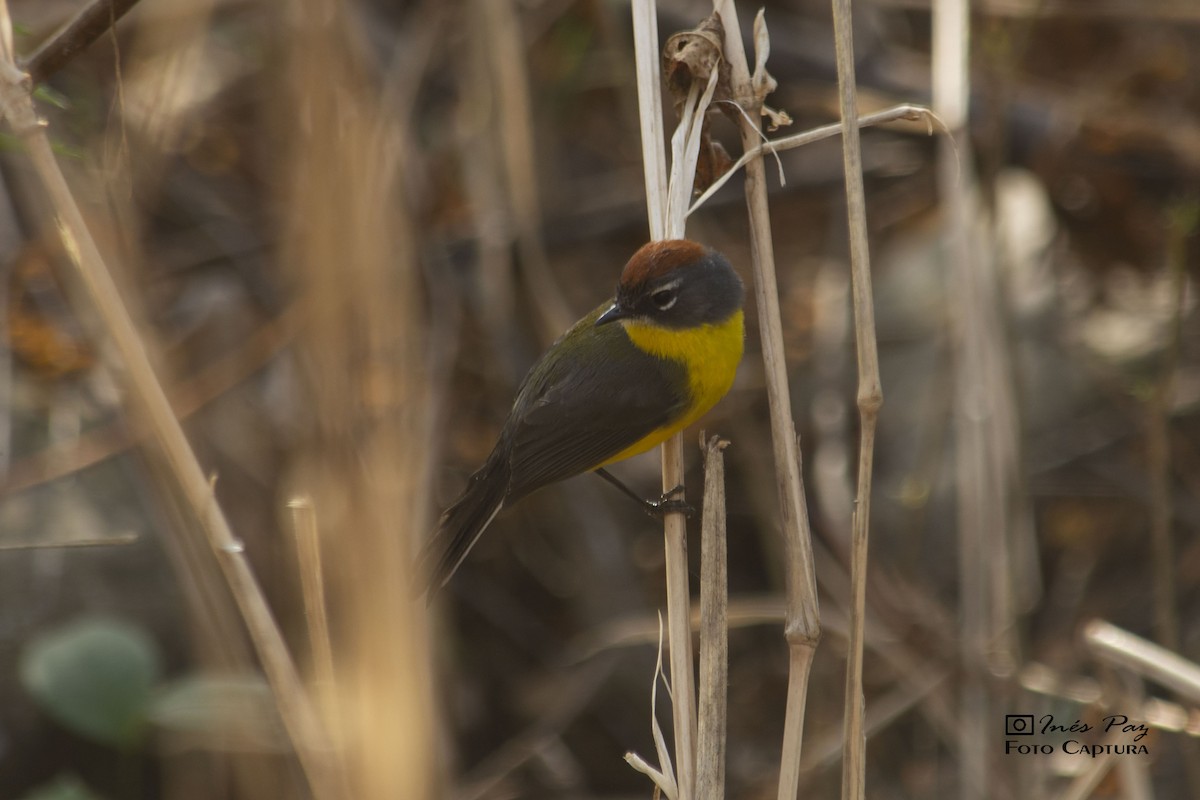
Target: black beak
point(612, 314)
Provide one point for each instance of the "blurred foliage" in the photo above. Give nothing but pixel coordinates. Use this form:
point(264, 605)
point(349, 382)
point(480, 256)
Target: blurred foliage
point(63, 788)
point(95, 676)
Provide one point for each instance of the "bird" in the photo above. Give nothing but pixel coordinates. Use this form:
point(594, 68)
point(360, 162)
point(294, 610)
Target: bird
point(640, 367)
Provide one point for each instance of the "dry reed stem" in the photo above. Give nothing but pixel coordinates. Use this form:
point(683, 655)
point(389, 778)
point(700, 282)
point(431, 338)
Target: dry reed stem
point(312, 584)
point(714, 631)
point(645, 28)
point(365, 462)
point(89, 24)
point(870, 398)
point(1151, 661)
point(150, 408)
point(904, 112)
point(802, 628)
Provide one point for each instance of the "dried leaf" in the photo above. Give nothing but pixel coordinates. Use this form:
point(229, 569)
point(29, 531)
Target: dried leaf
point(778, 118)
point(714, 161)
point(690, 56)
point(761, 81)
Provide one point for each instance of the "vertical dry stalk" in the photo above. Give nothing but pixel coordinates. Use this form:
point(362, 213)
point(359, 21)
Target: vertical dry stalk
point(312, 584)
point(645, 35)
point(714, 632)
point(802, 629)
point(870, 398)
point(350, 247)
point(150, 408)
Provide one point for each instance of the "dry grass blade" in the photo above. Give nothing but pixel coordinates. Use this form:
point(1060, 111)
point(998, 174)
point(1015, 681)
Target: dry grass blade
point(663, 777)
point(650, 113)
point(150, 408)
point(714, 630)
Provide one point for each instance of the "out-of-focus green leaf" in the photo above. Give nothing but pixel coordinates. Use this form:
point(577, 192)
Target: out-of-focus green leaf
point(52, 96)
point(64, 787)
point(95, 677)
point(228, 711)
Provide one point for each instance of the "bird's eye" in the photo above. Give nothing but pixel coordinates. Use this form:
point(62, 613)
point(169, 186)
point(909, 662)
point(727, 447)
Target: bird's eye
point(664, 298)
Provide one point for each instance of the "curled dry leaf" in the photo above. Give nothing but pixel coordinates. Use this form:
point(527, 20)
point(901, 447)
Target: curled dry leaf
point(713, 162)
point(692, 56)
point(761, 81)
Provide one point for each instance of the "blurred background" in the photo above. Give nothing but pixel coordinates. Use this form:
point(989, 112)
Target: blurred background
point(346, 229)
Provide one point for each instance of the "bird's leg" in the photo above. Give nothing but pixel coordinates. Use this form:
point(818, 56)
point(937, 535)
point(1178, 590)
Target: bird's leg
point(667, 503)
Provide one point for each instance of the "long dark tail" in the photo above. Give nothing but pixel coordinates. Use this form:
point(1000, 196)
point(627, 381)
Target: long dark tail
point(461, 525)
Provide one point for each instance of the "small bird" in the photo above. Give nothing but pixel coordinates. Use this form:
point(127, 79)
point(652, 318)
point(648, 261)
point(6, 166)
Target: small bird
point(625, 378)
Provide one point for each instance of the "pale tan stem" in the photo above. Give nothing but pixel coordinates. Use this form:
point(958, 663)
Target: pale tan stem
point(714, 630)
point(683, 706)
point(870, 399)
point(802, 628)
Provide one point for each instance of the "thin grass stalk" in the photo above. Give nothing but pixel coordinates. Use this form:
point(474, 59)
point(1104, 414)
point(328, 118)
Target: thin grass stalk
point(149, 407)
point(1151, 661)
point(714, 630)
point(683, 707)
point(802, 628)
point(870, 399)
point(312, 586)
point(905, 112)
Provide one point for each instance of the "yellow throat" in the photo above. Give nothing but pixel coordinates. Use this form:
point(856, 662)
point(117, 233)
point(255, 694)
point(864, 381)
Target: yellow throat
point(710, 353)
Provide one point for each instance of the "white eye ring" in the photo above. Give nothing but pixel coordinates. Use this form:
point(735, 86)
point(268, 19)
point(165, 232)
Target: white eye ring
point(664, 298)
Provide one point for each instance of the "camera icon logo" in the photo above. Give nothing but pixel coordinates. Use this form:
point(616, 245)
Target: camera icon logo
point(1018, 724)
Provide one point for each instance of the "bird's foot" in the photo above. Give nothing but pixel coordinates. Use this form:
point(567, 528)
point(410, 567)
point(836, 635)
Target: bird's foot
point(672, 502)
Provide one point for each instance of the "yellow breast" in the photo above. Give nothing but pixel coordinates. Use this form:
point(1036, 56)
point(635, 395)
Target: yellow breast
point(711, 354)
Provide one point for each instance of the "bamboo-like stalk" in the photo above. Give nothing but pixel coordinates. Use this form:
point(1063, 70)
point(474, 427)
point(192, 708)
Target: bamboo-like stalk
point(714, 631)
point(870, 399)
point(149, 407)
point(802, 629)
point(645, 34)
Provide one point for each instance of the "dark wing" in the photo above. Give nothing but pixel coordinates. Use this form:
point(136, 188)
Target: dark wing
point(573, 413)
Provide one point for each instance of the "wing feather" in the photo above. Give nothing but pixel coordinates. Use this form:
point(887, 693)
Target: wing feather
point(571, 415)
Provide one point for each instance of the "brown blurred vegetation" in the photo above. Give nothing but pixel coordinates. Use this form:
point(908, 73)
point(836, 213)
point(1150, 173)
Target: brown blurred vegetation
point(348, 229)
